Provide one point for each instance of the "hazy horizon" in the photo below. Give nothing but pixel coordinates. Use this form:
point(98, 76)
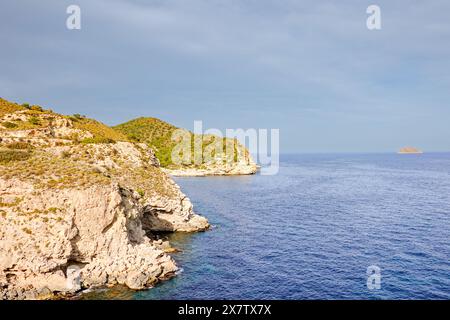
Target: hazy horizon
point(311, 69)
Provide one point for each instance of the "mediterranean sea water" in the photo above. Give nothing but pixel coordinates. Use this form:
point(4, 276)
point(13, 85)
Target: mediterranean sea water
point(312, 230)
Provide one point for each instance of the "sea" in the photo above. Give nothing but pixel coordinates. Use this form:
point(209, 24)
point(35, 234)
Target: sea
point(327, 226)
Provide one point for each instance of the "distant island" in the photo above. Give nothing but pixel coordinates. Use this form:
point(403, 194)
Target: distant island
point(410, 150)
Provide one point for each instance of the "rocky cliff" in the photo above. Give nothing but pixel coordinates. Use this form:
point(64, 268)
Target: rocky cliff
point(79, 205)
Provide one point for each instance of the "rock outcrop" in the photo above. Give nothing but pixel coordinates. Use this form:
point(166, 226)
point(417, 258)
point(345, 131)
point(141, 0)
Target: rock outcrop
point(244, 166)
point(409, 150)
point(62, 240)
point(77, 214)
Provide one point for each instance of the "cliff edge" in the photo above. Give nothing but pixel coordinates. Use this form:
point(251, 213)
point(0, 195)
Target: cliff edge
point(79, 204)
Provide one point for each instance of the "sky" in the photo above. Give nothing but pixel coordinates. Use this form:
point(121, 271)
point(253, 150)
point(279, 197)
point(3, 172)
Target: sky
point(311, 69)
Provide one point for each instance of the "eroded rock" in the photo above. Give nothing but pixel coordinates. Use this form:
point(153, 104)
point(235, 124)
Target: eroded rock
point(77, 215)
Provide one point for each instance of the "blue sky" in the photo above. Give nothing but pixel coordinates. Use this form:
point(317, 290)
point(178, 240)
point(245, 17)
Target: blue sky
point(310, 68)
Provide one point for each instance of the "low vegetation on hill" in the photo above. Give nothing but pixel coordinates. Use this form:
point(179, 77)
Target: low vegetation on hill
point(8, 107)
point(217, 155)
point(83, 153)
point(158, 135)
point(34, 117)
point(102, 133)
point(154, 132)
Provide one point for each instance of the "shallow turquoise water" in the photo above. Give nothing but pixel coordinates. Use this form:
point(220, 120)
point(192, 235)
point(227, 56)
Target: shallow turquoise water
point(311, 231)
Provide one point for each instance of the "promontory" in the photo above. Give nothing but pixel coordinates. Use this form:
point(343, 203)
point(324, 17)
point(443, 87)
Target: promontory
point(80, 203)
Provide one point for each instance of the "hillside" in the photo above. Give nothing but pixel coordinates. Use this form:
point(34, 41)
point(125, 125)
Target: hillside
point(37, 121)
point(158, 135)
point(80, 205)
point(154, 132)
point(8, 107)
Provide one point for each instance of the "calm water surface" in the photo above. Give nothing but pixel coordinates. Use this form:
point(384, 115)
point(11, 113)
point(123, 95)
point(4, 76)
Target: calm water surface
point(311, 231)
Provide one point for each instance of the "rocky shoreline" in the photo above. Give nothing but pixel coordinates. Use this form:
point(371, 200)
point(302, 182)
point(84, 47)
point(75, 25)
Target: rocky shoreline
point(81, 205)
point(76, 215)
point(247, 168)
point(61, 241)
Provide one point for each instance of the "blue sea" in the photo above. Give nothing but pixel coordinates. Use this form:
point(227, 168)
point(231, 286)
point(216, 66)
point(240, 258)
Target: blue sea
point(312, 230)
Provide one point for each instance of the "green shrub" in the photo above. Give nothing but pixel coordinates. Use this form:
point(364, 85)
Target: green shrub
point(76, 117)
point(133, 137)
point(9, 125)
point(36, 108)
point(65, 154)
point(9, 204)
point(97, 140)
point(7, 156)
point(26, 105)
point(19, 145)
point(34, 121)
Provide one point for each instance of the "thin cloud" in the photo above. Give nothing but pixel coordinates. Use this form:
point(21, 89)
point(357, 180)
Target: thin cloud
point(313, 61)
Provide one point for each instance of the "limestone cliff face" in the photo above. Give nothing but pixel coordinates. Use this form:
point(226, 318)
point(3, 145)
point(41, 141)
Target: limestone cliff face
point(242, 165)
point(96, 232)
point(78, 215)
